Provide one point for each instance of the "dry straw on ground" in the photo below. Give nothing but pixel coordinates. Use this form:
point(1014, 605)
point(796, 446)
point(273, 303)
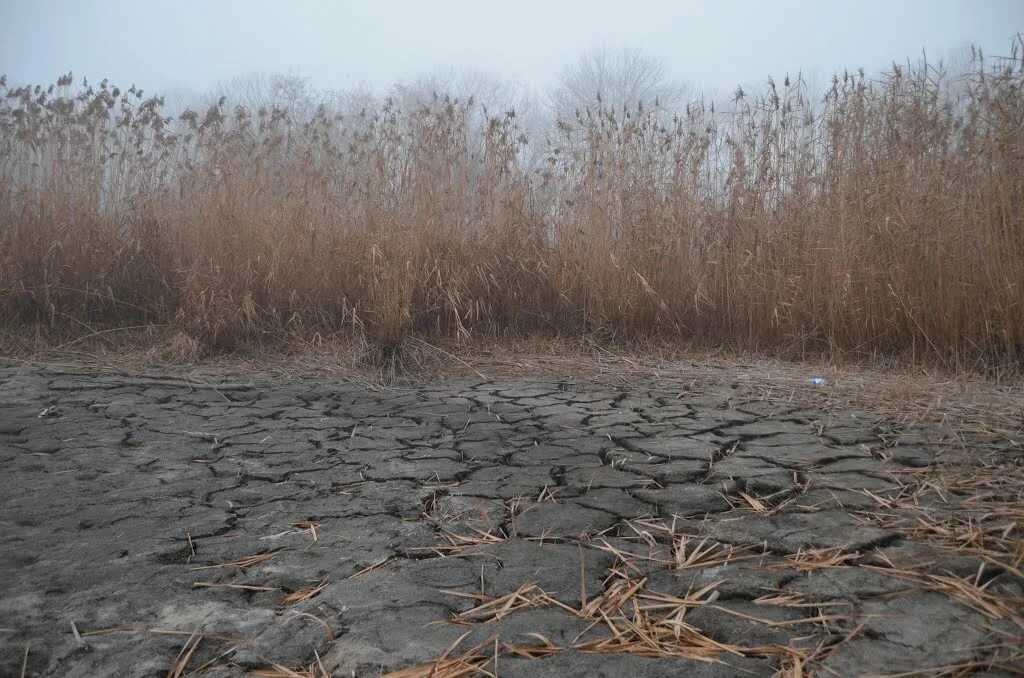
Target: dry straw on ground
point(885, 218)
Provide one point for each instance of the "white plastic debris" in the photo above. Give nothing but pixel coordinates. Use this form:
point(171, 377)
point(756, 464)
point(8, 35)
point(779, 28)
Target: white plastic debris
point(817, 381)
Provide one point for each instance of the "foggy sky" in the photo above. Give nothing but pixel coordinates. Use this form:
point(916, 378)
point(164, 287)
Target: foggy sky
point(194, 44)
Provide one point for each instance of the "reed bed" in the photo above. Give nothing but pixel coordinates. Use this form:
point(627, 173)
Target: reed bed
point(885, 218)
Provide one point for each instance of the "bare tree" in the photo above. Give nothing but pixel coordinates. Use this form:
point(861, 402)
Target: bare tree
point(493, 92)
point(287, 91)
point(354, 100)
point(615, 79)
point(492, 95)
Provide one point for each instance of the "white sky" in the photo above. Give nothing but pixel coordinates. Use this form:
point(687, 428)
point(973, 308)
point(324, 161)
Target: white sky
point(714, 45)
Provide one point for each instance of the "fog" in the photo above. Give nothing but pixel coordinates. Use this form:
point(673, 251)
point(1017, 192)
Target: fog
point(193, 47)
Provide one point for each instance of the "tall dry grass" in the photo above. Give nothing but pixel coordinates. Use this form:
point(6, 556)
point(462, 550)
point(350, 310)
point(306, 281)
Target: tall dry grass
point(885, 219)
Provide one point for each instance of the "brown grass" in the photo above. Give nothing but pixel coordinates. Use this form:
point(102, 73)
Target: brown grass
point(237, 587)
point(275, 670)
point(884, 220)
point(975, 509)
point(305, 593)
point(476, 661)
point(239, 563)
point(181, 661)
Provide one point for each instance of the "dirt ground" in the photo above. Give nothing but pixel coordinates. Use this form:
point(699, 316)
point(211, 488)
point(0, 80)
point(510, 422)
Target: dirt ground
point(218, 524)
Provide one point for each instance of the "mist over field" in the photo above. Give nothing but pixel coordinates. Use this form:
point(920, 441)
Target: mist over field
point(712, 47)
point(797, 180)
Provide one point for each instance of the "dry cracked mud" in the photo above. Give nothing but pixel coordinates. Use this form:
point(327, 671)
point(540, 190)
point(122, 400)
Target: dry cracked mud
point(157, 526)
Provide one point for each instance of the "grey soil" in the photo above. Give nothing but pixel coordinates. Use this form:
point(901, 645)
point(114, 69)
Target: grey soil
point(130, 503)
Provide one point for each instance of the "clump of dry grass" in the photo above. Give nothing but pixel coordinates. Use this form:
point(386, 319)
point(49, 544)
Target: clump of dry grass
point(974, 508)
point(636, 621)
point(475, 661)
point(493, 608)
point(275, 670)
point(885, 219)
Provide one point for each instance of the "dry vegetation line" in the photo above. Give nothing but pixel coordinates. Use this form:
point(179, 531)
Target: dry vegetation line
point(884, 219)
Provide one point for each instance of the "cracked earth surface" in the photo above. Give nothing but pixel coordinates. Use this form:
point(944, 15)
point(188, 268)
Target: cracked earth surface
point(567, 528)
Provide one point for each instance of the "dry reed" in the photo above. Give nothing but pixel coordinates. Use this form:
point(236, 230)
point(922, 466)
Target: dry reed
point(886, 219)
